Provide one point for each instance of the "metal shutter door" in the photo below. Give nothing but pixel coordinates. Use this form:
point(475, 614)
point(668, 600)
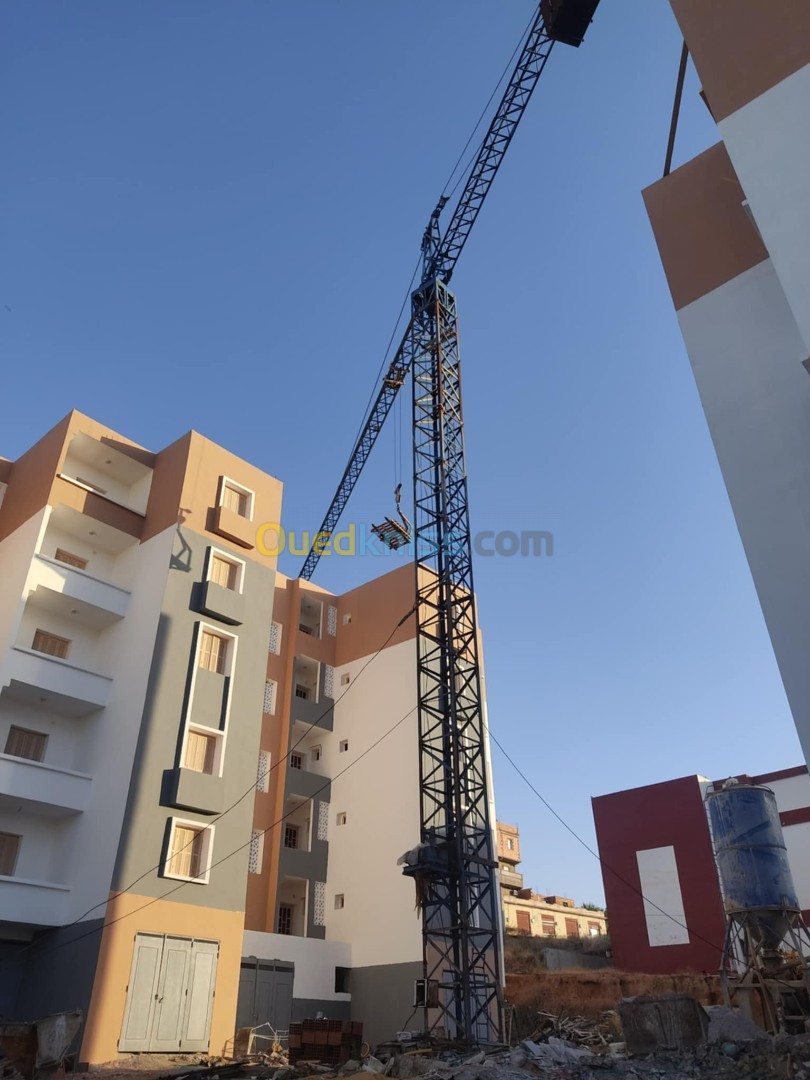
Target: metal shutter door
point(200, 995)
point(141, 992)
point(167, 1026)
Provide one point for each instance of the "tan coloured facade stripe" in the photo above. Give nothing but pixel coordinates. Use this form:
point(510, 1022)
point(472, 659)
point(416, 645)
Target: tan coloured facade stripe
point(741, 48)
point(703, 233)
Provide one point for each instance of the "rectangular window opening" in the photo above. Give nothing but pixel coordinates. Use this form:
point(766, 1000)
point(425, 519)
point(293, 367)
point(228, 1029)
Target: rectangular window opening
point(51, 644)
point(9, 850)
point(200, 752)
point(344, 746)
point(285, 918)
point(225, 573)
point(291, 836)
point(23, 743)
point(340, 901)
point(236, 499)
point(341, 818)
point(213, 652)
point(71, 559)
point(186, 854)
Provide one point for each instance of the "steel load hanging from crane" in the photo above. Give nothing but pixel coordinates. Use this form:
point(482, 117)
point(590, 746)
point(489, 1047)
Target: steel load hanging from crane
point(454, 863)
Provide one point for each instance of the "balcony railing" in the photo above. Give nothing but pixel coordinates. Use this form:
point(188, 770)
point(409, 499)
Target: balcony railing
point(104, 602)
point(44, 788)
point(33, 903)
point(69, 690)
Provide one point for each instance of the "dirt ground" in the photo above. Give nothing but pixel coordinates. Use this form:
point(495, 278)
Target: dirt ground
point(590, 993)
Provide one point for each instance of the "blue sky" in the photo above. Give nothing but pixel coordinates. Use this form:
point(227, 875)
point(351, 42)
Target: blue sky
point(211, 212)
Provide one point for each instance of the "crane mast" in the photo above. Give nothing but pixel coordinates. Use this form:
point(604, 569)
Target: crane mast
point(455, 864)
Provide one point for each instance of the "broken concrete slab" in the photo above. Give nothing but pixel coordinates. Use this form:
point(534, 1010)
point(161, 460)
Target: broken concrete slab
point(653, 1022)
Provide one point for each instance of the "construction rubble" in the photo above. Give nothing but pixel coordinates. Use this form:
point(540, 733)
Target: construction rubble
point(562, 1047)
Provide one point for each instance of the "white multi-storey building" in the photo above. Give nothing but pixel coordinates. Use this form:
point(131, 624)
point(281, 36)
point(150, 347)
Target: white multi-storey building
point(208, 771)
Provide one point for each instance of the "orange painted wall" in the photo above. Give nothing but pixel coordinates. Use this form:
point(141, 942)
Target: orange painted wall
point(108, 1001)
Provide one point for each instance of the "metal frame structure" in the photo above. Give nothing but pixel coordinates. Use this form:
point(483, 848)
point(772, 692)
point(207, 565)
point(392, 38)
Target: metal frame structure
point(459, 887)
point(442, 261)
point(454, 866)
point(777, 972)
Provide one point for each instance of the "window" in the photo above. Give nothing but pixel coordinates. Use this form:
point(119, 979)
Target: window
point(549, 925)
point(213, 652)
point(296, 761)
point(71, 560)
point(317, 753)
point(341, 818)
point(340, 901)
point(224, 572)
point(236, 498)
point(594, 929)
point(51, 644)
point(291, 836)
point(256, 851)
point(301, 692)
point(285, 917)
point(9, 850)
point(347, 618)
point(189, 847)
point(342, 980)
point(344, 746)
point(263, 772)
point(571, 928)
point(25, 744)
point(305, 629)
point(510, 844)
point(200, 752)
point(344, 679)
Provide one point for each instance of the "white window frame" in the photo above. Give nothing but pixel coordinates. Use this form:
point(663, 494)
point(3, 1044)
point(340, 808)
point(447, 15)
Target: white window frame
point(206, 857)
point(230, 558)
point(227, 481)
point(217, 631)
point(219, 749)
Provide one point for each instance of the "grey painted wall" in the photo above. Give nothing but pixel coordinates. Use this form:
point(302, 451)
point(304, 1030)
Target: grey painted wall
point(56, 974)
point(382, 998)
point(149, 807)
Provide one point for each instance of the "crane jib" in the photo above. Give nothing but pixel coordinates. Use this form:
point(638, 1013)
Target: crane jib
point(556, 20)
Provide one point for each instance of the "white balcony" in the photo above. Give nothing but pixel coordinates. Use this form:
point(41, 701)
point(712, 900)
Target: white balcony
point(65, 590)
point(42, 789)
point(33, 903)
point(54, 684)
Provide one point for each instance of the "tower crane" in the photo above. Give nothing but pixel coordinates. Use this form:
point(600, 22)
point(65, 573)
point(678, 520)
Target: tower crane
point(454, 865)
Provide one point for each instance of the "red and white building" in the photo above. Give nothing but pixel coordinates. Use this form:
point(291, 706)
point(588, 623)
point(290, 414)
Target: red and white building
point(664, 902)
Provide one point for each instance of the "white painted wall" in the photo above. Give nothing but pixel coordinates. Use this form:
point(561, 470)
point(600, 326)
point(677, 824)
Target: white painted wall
point(380, 795)
point(80, 851)
point(315, 961)
point(746, 352)
point(768, 141)
point(661, 886)
point(792, 793)
point(16, 552)
point(797, 842)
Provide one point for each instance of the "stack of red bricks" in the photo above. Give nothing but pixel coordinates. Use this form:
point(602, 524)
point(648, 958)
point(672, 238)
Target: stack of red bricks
point(331, 1042)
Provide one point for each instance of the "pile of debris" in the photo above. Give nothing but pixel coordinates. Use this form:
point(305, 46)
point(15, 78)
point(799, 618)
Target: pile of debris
point(579, 1030)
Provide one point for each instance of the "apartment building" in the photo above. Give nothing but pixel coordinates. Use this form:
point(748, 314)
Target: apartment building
point(209, 771)
point(732, 228)
point(663, 893)
point(536, 914)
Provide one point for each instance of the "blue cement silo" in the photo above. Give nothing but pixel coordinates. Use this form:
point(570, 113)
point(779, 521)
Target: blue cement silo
point(752, 858)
